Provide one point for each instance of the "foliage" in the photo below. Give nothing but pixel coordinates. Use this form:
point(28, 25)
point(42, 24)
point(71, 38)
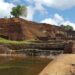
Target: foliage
point(67, 27)
point(18, 11)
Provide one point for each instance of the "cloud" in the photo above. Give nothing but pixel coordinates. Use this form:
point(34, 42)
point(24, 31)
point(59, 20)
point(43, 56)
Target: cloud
point(5, 8)
point(39, 5)
point(30, 13)
point(57, 20)
point(59, 4)
point(49, 21)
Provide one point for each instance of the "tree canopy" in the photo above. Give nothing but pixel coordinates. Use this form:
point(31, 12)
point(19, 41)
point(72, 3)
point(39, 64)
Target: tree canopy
point(18, 11)
point(67, 27)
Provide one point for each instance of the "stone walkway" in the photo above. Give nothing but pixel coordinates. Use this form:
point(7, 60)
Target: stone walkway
point(62, 65)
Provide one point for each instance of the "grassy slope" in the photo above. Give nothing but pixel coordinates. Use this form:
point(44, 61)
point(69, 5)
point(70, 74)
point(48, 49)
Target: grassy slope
point(5, 41)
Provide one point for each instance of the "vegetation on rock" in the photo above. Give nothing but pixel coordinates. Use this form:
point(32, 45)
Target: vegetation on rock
point(67, 27)
point(18, 11)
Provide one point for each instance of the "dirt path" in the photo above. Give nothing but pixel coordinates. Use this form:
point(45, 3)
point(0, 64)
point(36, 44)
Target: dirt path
point(62, 65)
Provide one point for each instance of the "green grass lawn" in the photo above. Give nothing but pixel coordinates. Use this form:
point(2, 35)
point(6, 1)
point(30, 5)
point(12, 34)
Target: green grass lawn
point(27, 66)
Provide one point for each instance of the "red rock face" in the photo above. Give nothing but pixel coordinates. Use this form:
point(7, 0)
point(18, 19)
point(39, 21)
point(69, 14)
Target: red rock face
point(10, 29)
point(19, 29)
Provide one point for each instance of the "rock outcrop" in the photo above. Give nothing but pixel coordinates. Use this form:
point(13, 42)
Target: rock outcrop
point(19, 29)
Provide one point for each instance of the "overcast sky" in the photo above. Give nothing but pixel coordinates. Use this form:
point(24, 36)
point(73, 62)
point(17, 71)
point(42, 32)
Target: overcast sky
point(46, 11)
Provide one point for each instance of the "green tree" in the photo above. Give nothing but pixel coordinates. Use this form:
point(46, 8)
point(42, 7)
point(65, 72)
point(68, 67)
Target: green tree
point(67, 27)
point(18, 11)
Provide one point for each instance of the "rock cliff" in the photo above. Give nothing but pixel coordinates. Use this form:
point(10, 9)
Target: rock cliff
point(20, 29)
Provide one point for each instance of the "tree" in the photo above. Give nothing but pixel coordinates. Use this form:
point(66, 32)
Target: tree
point(67, 27)
point(18, 11)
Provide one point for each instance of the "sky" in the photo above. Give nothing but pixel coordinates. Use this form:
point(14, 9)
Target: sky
point(56, 12)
